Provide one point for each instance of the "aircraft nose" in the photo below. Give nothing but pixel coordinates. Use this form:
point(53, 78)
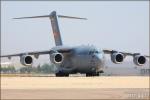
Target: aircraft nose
point(100, 61)
point(99, 57)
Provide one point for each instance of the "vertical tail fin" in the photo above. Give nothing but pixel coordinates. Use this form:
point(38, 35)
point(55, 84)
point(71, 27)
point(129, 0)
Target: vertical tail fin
point(54, 22)
point(55, 28)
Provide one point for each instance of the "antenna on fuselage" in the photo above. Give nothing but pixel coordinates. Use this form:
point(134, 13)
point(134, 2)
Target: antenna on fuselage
point(54, 22)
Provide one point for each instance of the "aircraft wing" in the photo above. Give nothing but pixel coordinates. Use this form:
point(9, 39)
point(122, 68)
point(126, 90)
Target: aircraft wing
point(35, 53)
point(118, 57)
point(27, 60)
point(108, 51)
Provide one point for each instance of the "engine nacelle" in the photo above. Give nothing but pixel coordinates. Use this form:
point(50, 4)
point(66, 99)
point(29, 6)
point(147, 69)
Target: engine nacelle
point(26, 60)
point(117, 58)
point(139, 60)
point(56, 58)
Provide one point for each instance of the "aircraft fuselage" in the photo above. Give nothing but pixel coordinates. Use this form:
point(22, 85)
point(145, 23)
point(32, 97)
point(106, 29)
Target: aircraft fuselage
point(81, 59)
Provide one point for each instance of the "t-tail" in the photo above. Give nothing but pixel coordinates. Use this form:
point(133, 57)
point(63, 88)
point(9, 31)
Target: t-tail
point(54, 22)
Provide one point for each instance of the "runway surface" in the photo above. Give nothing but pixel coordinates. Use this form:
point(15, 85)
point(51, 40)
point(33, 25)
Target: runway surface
point(129, 87)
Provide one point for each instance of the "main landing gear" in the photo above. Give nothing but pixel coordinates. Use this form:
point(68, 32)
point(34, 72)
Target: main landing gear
point(62, 74)
point(94, 74)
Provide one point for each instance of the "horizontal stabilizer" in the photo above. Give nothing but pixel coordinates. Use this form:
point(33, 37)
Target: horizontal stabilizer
point(45, 16)
point(62, 16)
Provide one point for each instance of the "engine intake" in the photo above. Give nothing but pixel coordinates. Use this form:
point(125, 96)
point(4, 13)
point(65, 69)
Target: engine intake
point(139, 60)
point(117, 58)
point(26, 60)
point(56, 58)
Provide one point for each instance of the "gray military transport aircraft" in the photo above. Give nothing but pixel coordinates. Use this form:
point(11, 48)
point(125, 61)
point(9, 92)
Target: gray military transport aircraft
point(80, 59)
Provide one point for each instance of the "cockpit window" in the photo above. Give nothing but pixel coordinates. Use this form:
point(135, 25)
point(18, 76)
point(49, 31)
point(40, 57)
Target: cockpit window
point(82, 52)
point(93, 52)
point(96, 52)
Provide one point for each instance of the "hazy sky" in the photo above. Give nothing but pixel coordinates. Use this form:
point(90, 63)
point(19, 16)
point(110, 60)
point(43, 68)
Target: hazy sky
point(120, 25)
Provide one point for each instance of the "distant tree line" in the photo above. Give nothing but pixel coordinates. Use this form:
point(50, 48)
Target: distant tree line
point(9, 69)
point(44, 69)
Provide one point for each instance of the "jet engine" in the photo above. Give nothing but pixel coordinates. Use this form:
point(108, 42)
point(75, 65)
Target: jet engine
point(117, 58)
point(139, 60)
point(26, 60)
point(56, 58)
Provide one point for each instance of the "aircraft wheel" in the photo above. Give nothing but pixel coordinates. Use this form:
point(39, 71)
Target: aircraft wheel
point(92, 74)
point(61, 75)
point(101, 71)
point(89, 74)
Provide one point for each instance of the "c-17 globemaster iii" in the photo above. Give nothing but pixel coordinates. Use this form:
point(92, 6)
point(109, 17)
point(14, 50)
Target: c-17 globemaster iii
point(80, 59)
